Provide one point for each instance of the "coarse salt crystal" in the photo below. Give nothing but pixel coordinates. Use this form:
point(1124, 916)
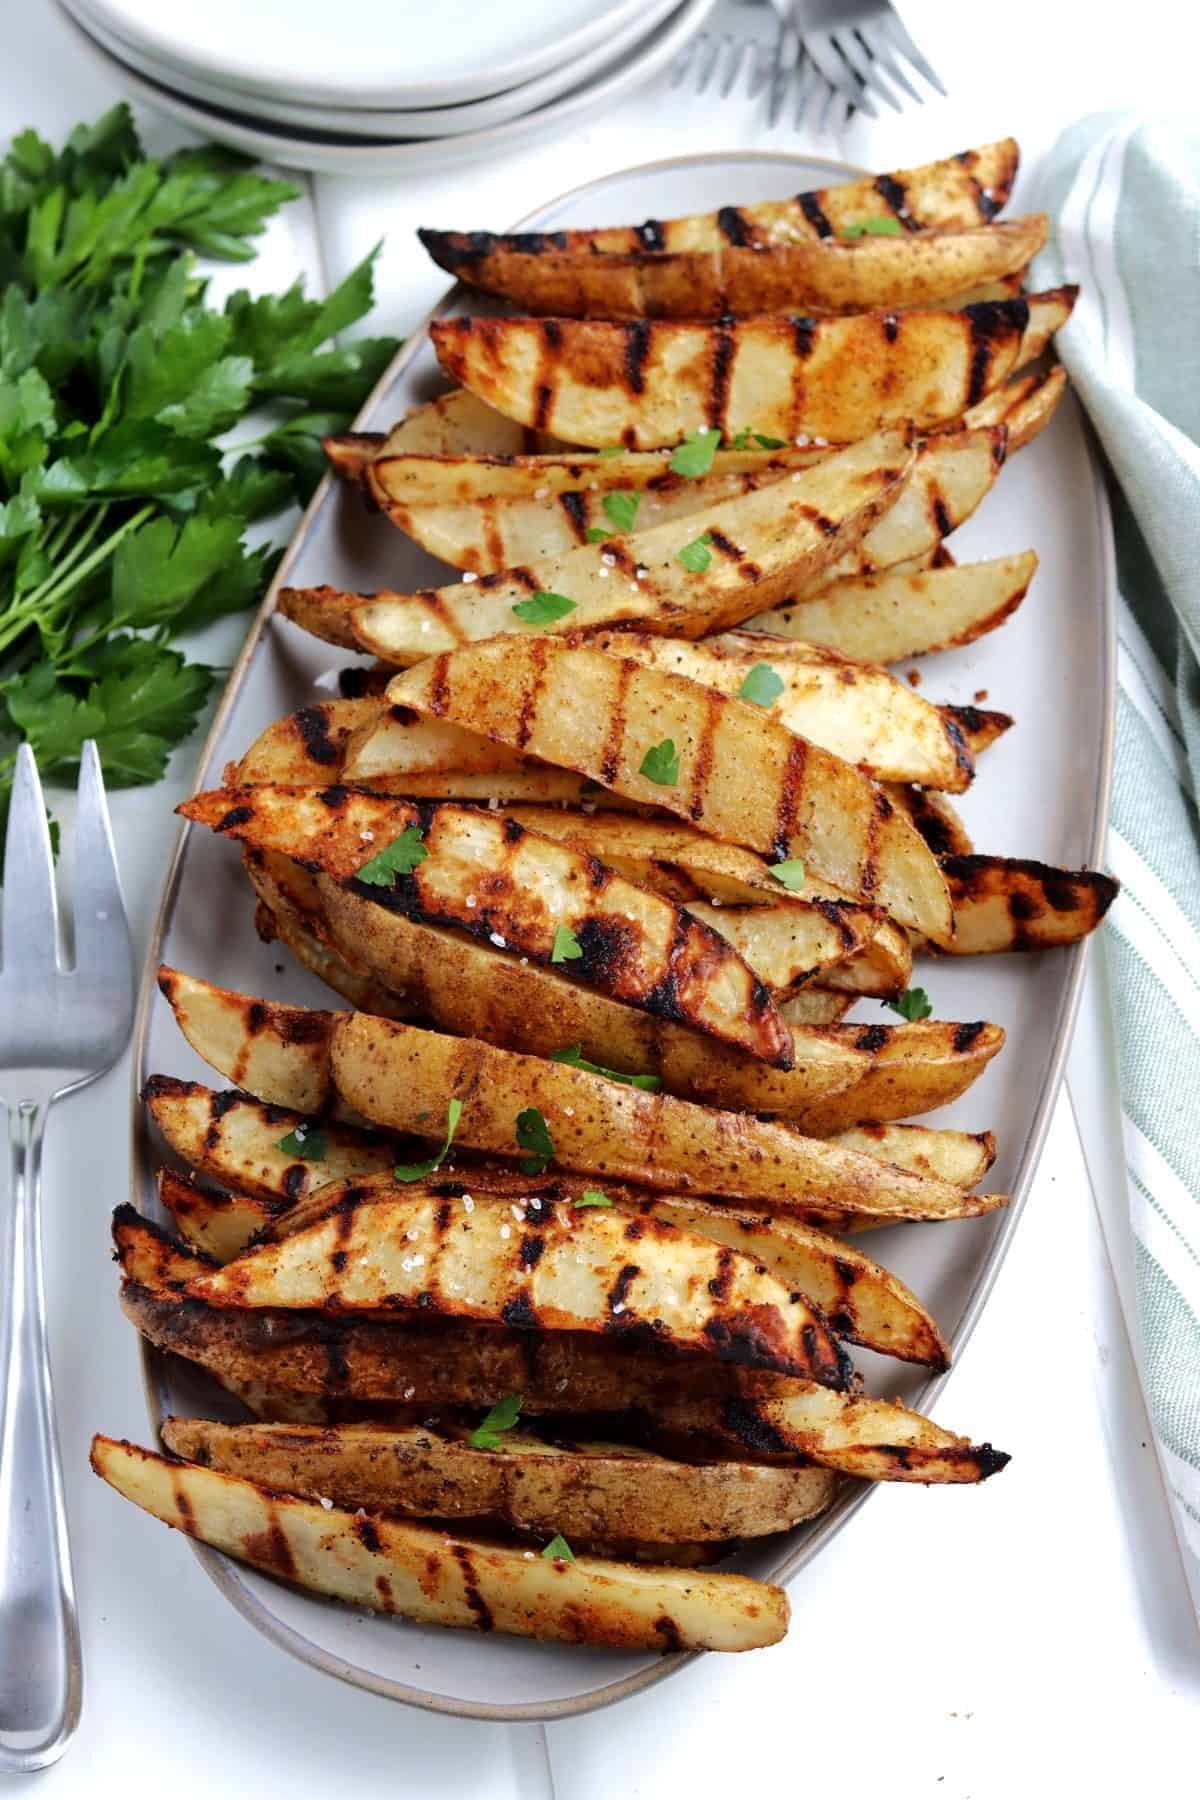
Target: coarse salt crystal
point(326, 1502)
point(641, 571)
point(424, 624)
point(608, 559)
point(542, 493)
point(506, 1231)
point(619, 1307)
point(470, 899)
point(468, 1203)
point(470, 575)
point(495, 938)
point(603, 574)
point(493, 804)
point(409, 1392)
point(368, 837)
point(570, 1111)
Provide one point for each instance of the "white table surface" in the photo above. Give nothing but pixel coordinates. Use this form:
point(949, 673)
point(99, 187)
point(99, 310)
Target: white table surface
point(1031, 1637)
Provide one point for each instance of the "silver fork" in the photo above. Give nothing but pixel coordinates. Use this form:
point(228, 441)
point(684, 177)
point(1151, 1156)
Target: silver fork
point(59, 1029)
point(851, 43)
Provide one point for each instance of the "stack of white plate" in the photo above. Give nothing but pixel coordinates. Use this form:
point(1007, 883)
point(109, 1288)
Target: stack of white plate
point(380, 84)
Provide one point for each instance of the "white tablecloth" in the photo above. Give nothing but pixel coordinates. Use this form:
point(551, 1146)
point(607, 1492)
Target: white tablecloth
point(1028, 1638)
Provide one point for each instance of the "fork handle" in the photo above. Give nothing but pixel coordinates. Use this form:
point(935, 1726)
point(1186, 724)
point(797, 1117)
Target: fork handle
point(41, 1674)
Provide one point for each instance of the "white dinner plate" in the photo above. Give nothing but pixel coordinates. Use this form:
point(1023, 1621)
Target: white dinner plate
point(390, 53)
point(1042, 792)
point(329, 154)
point(349, 121)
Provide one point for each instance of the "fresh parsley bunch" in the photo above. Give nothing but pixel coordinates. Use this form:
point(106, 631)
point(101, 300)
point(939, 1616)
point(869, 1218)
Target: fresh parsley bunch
point(121, 522)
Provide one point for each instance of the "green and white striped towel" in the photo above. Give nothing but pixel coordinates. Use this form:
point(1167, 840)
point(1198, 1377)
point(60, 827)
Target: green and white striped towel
point(1124, 199)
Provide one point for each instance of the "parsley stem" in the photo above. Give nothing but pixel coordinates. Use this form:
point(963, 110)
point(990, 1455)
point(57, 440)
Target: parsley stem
point(63, 585)
point(33, 600)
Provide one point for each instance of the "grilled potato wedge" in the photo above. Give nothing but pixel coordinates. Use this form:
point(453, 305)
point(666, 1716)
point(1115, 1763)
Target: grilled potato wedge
point(476, 991)
point(423, 1573)
point(220, 1225)
point(279, 918)
point(487, 536)
point(580, 1488)
point(934, 817)
point(535, 1265)
point(960, 1157)
point(391, 1072)
point(307, 748)
point(236, 1140)
point(878, 1440)
point(957, 192)
point(823, 275)
point(739, 776)
point(1024, 405)
point(259, 1045)
point(1007, 903)
point(786, 945)
point(889, 617)
point(460, 424)
point(488, 875)
point(816, 1006)
point(766, 544)
point(303, 1358)
point(857, 710)
point(648, 383)
point(915, 1068)
point(862, 1301)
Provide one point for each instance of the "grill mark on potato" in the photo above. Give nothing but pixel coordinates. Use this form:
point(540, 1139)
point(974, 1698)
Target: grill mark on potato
point(549, 360)
point(270, 1547)
point(742, 1419)
point(367, 1534)
point(493, 536)
point(894, 195)
point(520, 1313)
point(991, 323)
point(988, 206)
point(668, 1630)
point(804, 334)
point(183, 1506)
point(650, 234)
point(237, 815)
point(702, 760)
point(312, 727)
point(438, 611)
point(610, 756)
point(791, 787)
point(637, 349)
point(719, 373)
point(532, 1246)
point(966, 1035)
point(891, 327)
point(833, 911)
point(733, 226)
point(964, 761)
point(725, 545)
point(810, 206)
point(874, 1038)
point(575, 507)
point(471, 1593)
point(718, 1287)
point(531, 696)
point(824, 525)
point(941, 516)
point(383, 1588)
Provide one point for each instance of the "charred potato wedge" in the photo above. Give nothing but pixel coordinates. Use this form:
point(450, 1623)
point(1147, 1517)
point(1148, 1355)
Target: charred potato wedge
point(736, 775)
point(822, 275)
point(580, 1488)
point(430, 1575)
point(1009, 903)
point(915, 1068)
point(649, 382)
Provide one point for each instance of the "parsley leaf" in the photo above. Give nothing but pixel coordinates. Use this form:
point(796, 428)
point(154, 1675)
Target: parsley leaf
point(661, 764)
point(305, 1141)
point(790, 874)
point(761, 686)
point(911, 1005)
point(882, 227)
point(400, 857)
point(696, 556)
point(743, 439)
point(558, 1549)
point(622, 509)
point(694, 457)
point(612, 450)
point(533, 1134)
point(543, 608)
point(596, 534)
point(573, 1056)
point(418, 1171)
point(567, 947)
point(502, 1417)
point(592, 1197)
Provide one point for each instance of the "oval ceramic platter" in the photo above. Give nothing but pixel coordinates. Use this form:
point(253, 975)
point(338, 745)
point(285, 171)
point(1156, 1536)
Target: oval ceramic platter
point(1042, 792)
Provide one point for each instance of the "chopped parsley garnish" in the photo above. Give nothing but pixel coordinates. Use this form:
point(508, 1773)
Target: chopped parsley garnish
point(503, 1416)
point(911, 1005)
point(593, 1197)
point(558, 1549)
point(694, 457)
point(743, 439)
point(400, 857)
point(761, 686)
point(612, 450)
point(418, 1171)
point(790, 873)
point(533, 1134)
point(661, 764)
point(567, 947)
point(884, 227)
point(596, 534)
point(622, 509)
point(306, 1142)
point(543, 608)
point(696, 556)
point(574, 1058)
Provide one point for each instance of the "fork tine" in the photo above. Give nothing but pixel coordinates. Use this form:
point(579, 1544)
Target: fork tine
point(708, 62)
point(29, 917)
point(822, 46)
point(687, 56)
point(864, 65)
point(881, 50)
point(808, 84)
point(741, 50)
point(892, 25)
point(787, 58)
point(102, 943)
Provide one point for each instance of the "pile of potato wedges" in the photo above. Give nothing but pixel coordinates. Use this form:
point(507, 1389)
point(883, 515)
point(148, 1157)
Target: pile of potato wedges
point(534, 1261)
